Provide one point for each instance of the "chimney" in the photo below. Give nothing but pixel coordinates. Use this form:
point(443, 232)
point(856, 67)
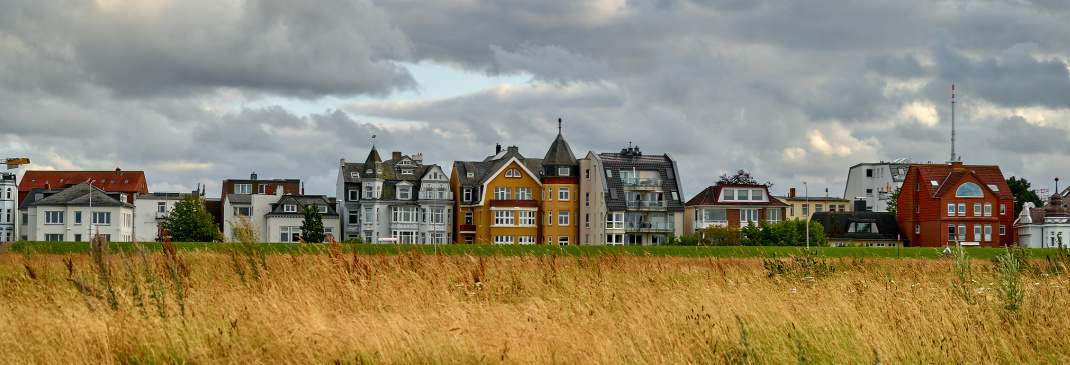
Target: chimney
point(252, 176)
point(418, 158)
point(497, 148)
point(514, 149)
point(48, 186)
point(303, 184)
point(791, 193)
point(397, 155)
point(117, 169)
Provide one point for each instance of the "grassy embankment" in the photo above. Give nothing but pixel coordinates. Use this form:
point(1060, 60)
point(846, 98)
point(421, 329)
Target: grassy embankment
point(517, 250)
point(604, 307)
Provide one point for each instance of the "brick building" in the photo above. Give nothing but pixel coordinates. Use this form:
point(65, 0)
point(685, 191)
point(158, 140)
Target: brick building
point(940, 204)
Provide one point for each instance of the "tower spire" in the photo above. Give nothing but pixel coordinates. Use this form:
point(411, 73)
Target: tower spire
point(952, 122)
point(558, 125)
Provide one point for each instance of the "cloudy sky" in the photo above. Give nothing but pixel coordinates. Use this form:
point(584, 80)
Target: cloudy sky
point(197, 91)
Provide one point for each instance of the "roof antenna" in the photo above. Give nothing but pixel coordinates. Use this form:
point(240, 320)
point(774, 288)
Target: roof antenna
point(953, 123)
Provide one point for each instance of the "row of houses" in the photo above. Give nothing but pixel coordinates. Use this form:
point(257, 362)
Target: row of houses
point(626, 197)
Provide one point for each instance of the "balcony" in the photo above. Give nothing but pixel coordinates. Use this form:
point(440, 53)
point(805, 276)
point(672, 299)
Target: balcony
point(408, 226)
point(514, 204)
point(647, 227)
point(468, 228)
point(646, 205)
point(435, 195)
point(641, 183)
point(161, 215)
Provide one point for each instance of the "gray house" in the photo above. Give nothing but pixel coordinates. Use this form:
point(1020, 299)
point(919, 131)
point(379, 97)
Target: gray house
point(399, 200)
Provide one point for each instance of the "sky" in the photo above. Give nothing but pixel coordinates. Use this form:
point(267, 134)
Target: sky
point(198, 91)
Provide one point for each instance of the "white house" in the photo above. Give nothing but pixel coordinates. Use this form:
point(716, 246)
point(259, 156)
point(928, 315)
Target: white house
point(76, 213)
point(9, 207)
point(875, 182)
point(1044, 227)
point(149, 211)
point(277, 217)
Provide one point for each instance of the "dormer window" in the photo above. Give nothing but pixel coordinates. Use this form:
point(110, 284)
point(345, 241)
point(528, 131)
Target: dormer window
point(404, 192)
point(862, 227)
point(471, 175)
point(355, 175)
point(289, 208)
point(368, 171)
point(323, 209)
point(969, 190)
point(406, 172)
point(564, 171)
point(512, 173)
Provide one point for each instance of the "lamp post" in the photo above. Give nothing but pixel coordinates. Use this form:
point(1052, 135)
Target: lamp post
point(90, 225)
point(806, 191)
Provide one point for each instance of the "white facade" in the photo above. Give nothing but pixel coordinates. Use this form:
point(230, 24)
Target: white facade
point(256, 205)
point(67, 216)
point(1049, 233)
point(9, 207)
point(149, 210)
point(875, 182)
point(277, 217)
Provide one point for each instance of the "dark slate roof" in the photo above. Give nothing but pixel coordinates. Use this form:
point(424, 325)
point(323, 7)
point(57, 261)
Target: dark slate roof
point(302, 201)
point(80, 195)
point(385, 170)
point(482, 170)
point(559, 153)
point(240, 198)
point(710, 195)
point(630, 159)
point(837, 223)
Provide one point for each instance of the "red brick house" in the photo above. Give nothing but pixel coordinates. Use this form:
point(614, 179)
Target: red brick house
point(118, 181)
point(732, 205)
point(942, 203)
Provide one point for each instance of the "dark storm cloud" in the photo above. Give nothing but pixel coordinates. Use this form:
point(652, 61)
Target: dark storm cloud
point(1015, 134)
point(1015, 79)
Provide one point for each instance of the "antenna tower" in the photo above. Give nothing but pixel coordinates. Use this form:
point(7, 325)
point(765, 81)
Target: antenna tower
point(952, 122)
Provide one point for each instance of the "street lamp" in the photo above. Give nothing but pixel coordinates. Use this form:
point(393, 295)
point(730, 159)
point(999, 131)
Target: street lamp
point(806, 191)
point(90, 225)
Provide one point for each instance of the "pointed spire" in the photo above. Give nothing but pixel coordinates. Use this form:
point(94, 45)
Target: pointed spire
point(558, 126)
point(559, 153)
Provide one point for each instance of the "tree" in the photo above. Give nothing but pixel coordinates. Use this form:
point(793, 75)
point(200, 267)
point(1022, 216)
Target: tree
point(741, 177)
point(191, 222)
point(1022, 193)
point(312, 226)
point(893, 202)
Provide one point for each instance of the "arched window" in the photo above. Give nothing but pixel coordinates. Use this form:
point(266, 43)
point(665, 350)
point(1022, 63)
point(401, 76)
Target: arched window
point(969, 190)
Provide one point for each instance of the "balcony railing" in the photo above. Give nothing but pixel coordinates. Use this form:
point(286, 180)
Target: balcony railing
point(468, 228)
point(646, 205)
point(436, 195)
point(647, 227)
point(638, 182)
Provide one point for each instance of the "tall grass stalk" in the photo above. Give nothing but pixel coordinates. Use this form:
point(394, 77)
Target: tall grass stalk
point(1009, 281)
point(963, 269)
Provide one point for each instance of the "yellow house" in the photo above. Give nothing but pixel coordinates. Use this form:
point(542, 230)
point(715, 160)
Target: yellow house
point(509, 199)
point(802, 207)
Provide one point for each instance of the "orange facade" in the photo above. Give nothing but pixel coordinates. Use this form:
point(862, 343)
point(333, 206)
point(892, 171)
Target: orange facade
point(943, 204)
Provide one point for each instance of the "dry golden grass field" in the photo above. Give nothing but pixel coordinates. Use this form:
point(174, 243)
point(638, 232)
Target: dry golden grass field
point(212, 307)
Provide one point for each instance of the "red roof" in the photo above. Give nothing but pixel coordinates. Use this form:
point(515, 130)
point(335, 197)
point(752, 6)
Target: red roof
point(710, 195)
point(112, 181)
point(948, 176)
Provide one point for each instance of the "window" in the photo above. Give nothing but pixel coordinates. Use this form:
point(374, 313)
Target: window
point(25, 218)
point(289, 208)
point(962, 232)
point(523, 193)
point(791, 210)
point(806, 210)
point(467, 194)
point(323, 209)
point(368, 192)
point(615, 220)
point(917, 208)
point(53, 237)
point(354, 195)
point(950, 232)
point(243, 188)
point(756, 195)
point(729, 194)
point(563, 218)
point(742, 194)
point(976, 209)
point(675, 197)
point(969, 190)
point(748, 215)
point(609, 173)
point(586, 173)
point(977, 232)
point(1002, 230)
point(161, 207)
point(403, 236)
point(501, 193)
point(869, 192)
point(550, 193)
point(988, 209)
point(526, 240)
point(406, 172)
point(503, 217)
point(713, 215)
point(77, 238)
point(354, 219)
point(369, 217)
point(962, 209)
point(550, 218)
point(934, 183)
point(563, 171)
point(78, 217)
point(526, 217)
point(242, 211)
point(404, 192)
point(405, 214)
point(869, 172)
point(503, 240)
point(988, 233)
point(587, 220)
point(1002, 210)
point(512, 173)
point(468, 218)
point(53, 217)
point(261, 189)
point(817, 208)
point(438, 215)
point(587, 199)
point(563, 193)
point(562, 240)
point(950, 209)
point(917, 229)
point(328, 232)
point(842, 207)
point(107, 237)
point(772, 215)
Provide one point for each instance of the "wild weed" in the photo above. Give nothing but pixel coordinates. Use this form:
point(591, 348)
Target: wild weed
point(962, 266)
point(1008, 275)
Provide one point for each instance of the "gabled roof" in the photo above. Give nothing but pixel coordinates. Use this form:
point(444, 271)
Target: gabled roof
point(483, 171)
point(712, 194)
point(80, 195)
point(118, 180)
point(301, 201)
point(947, 177)
point(632, 159)
point(838, 223)
point(384, 170)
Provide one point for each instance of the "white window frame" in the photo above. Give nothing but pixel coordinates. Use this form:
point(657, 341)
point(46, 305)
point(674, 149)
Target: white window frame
point(988, 209)
point(563, 240)
point(563, 218)
point(744, 216)
point(728, 195)
point(161, 207)
point(404, 192)
point(1002, 209)
point(564, 193)
point(243, 188)
point(988, 233)
point(1002, 230)
point(977, 209)
point(467, 194)
point(977, 232)
point(526, 218)
point(962, 209)
point(504, 218)
point(523, 193)
point(54, 217)
point(770, 212)
point(404, 214)
point(501, 193)
point(615, 221)
point(238, 209)
point(354, 195)
point(526, 240)
point(563, 171)
point(503, 240)
point(289, 208)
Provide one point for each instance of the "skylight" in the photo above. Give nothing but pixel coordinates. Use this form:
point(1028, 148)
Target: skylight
point(934, 183)
point(994, 187)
